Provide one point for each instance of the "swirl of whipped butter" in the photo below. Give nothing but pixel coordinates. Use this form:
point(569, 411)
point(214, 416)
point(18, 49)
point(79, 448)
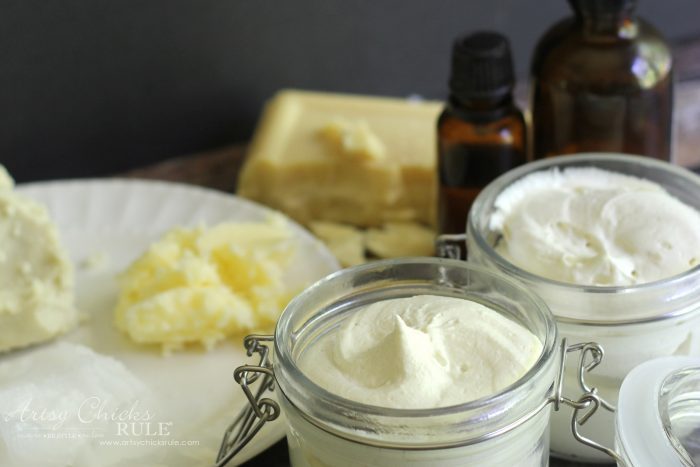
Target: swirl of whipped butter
point(421, 352)
point(589, 226)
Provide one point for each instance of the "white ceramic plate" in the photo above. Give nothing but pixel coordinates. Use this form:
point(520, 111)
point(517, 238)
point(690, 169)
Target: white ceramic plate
point(117, 219)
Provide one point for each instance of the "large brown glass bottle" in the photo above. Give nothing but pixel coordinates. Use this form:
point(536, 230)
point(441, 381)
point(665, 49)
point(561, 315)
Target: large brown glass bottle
point(602, 81)
point(481, 133)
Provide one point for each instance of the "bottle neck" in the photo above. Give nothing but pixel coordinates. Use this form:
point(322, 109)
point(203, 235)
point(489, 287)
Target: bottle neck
point(481, 109)
point(614, 19)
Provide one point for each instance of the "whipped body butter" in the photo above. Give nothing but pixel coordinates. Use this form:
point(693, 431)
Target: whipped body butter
point(421, 352)
point(612, 245)
point(416, 362)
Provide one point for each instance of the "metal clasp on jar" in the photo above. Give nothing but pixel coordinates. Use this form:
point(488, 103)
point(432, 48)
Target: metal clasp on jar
point(450, 245)
point(262, 410)
point(591, 355)
point(259, 410)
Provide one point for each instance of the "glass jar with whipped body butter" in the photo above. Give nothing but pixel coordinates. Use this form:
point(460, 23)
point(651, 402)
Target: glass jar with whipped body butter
point(508, 427)
point(633, 323)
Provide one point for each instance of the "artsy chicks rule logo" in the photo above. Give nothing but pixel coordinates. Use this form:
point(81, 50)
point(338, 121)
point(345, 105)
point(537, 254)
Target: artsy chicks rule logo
point(94, 415)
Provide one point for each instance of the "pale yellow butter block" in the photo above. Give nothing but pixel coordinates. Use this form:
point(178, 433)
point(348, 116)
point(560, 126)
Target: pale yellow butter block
point(350, 159)
point(345, 241)
point(399, 239)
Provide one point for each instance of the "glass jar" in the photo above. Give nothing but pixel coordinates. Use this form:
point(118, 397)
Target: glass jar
point(323, 429)
point(658, 417)
point(641, 322)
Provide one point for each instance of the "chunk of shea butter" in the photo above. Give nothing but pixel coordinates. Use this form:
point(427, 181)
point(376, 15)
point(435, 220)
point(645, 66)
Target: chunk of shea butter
point(51, 394)
point(6, 182)
point(36, 277)
point(421, 352)
point(589, 226)
point(202, 285)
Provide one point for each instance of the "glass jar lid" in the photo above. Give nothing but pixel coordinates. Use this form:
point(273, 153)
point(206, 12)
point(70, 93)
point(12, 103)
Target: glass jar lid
point(658, 414)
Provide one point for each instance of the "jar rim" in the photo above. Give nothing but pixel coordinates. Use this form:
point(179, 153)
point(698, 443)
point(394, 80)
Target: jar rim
point(507, 267)
point(284, 342)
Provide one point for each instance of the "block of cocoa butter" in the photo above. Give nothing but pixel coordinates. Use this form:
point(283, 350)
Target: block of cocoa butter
point(357, 160)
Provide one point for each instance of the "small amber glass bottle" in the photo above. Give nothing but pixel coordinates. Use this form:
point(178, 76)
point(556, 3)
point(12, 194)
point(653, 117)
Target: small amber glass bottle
point(602, 81)
point(481, 133)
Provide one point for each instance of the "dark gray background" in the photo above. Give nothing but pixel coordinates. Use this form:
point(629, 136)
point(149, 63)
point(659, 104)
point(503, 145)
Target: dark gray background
point(90, 87)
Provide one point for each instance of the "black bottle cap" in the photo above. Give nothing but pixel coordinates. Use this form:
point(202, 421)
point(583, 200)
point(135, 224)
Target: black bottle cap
point(482, 67)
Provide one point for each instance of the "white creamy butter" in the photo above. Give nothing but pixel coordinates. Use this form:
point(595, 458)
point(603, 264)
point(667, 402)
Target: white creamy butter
point(421, 352)
point(36, 277)
point(588, 226)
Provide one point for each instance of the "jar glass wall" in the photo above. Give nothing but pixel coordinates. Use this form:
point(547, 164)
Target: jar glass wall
point(640, 322)
point(658, 416)
point(679, 407)
point(507, 428)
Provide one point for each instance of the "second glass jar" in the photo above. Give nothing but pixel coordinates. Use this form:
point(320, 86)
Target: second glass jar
point(671, 307)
